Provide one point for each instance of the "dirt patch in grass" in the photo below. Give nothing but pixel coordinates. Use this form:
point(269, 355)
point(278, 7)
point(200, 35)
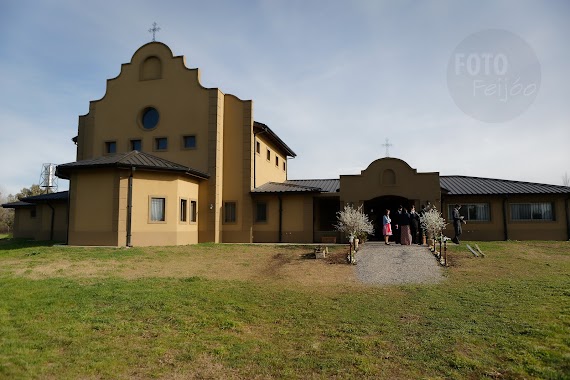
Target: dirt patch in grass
point(284, 264)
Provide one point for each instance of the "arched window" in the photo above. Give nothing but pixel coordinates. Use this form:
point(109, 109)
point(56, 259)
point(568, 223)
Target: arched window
point(388, 177)
point(151, 69)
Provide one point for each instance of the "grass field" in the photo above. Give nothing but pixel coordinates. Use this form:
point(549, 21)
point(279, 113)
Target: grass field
point(249, 311)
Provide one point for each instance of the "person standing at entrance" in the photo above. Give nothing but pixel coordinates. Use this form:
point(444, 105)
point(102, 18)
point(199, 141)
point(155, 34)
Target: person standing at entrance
point(386, 226)
point(397, 229)
point(414, 224)
point(405, 236)
point(457, 220)
point(423, 231)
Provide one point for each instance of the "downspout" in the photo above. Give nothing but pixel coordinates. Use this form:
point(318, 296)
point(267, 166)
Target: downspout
point(505, 227)
point(130, 208)
point(68, 214)
point(52, 221)
point(280, 218)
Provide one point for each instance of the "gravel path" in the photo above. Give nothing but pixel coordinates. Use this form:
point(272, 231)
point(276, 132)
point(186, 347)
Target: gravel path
point(378, 263)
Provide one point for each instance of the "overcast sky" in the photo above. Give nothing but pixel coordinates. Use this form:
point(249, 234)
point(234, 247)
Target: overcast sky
point(333, 79)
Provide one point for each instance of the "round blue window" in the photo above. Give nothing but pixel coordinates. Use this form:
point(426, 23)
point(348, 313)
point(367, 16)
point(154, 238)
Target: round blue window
point(149, 118)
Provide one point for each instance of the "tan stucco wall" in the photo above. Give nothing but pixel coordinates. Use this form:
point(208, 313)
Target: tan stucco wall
point(184, 108)
point(516, 230)
point(297, 219)
point(99, 213)
point(408, 183)
point(266, 170)
point(94, 201)
point(25, 227)
point(172, 231)
point(238, 168)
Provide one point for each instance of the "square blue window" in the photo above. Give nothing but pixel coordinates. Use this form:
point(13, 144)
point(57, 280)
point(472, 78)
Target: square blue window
point(111, 147)
point(161, 143)
point(136, 145)
point(190, 141)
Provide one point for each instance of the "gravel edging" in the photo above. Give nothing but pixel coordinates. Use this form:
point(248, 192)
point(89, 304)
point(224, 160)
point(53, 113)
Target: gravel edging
point(396, 264)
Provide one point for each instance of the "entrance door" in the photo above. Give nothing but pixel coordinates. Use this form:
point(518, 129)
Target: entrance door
point(376, 207)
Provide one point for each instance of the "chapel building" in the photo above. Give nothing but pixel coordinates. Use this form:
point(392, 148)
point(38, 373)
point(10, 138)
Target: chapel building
point(162, 160)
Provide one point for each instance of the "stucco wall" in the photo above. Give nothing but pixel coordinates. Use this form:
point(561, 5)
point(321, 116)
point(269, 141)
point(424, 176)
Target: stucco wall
point(266, 170)
point(25, 226)
point(183, 106)
point(297, 219)
point(516, 230)
point(390, 176)
point(238, 169)
point(93, 208)
point(172, 231)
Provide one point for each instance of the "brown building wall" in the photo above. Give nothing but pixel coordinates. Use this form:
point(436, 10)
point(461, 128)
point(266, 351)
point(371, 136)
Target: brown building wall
point(176, 93)
point(93, 208)
point(494, 229)
point(25, 226)
point(172, 231)
point(266, 169)
point(296, 219)
point(237, 168)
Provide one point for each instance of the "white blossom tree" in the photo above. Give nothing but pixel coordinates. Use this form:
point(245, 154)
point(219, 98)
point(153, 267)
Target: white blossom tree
point(354, 222)
point(433, 222)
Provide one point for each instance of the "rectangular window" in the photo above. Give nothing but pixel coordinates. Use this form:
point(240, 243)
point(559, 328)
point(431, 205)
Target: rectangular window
point(257, 147)
point(532, 211)
point(160, 143)
point(33, 212)
point(284, 166)
point(110, 147)
point(268, 155)
point(158, 209)
point(230, 212)
point(276, 160)
point(193, 211)
point(189, 142)
point(136, 145)
point(473, 212)
point(183, 210)
point(261, 212)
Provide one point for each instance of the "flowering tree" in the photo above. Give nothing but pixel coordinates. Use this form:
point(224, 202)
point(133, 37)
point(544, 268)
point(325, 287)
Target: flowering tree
point(354, 222)
point(433, 222)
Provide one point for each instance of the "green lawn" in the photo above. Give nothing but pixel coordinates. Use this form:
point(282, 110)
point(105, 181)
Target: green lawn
point(505, 316)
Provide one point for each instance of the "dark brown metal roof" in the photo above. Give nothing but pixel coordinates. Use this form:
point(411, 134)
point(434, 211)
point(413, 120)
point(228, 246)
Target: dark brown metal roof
point(300, 186)
point(326, 185)
point(60, 196)
point(17, 204)
point(260, 127)
point(463, 185)
point(133, 159)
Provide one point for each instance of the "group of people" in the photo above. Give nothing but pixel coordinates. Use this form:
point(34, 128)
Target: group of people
point(405, 227)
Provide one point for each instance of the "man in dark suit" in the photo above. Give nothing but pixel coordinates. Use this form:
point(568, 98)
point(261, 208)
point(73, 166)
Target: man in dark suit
point(414, 224)
point(398, 230)
point(457, 220)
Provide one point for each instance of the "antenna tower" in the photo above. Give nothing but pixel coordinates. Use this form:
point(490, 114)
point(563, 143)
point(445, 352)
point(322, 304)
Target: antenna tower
point(48, 180)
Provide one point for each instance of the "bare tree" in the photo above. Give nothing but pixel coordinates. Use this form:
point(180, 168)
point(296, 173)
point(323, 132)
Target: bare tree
point(566, 179)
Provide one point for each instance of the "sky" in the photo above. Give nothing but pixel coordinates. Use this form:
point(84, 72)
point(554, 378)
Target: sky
point(334, 79)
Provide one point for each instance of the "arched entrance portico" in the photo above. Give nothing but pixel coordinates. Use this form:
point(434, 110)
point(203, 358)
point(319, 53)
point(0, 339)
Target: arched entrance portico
point(376, 207)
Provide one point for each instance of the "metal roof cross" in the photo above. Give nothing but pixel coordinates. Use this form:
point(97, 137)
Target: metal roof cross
point(387, 145)
point(153, 30)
